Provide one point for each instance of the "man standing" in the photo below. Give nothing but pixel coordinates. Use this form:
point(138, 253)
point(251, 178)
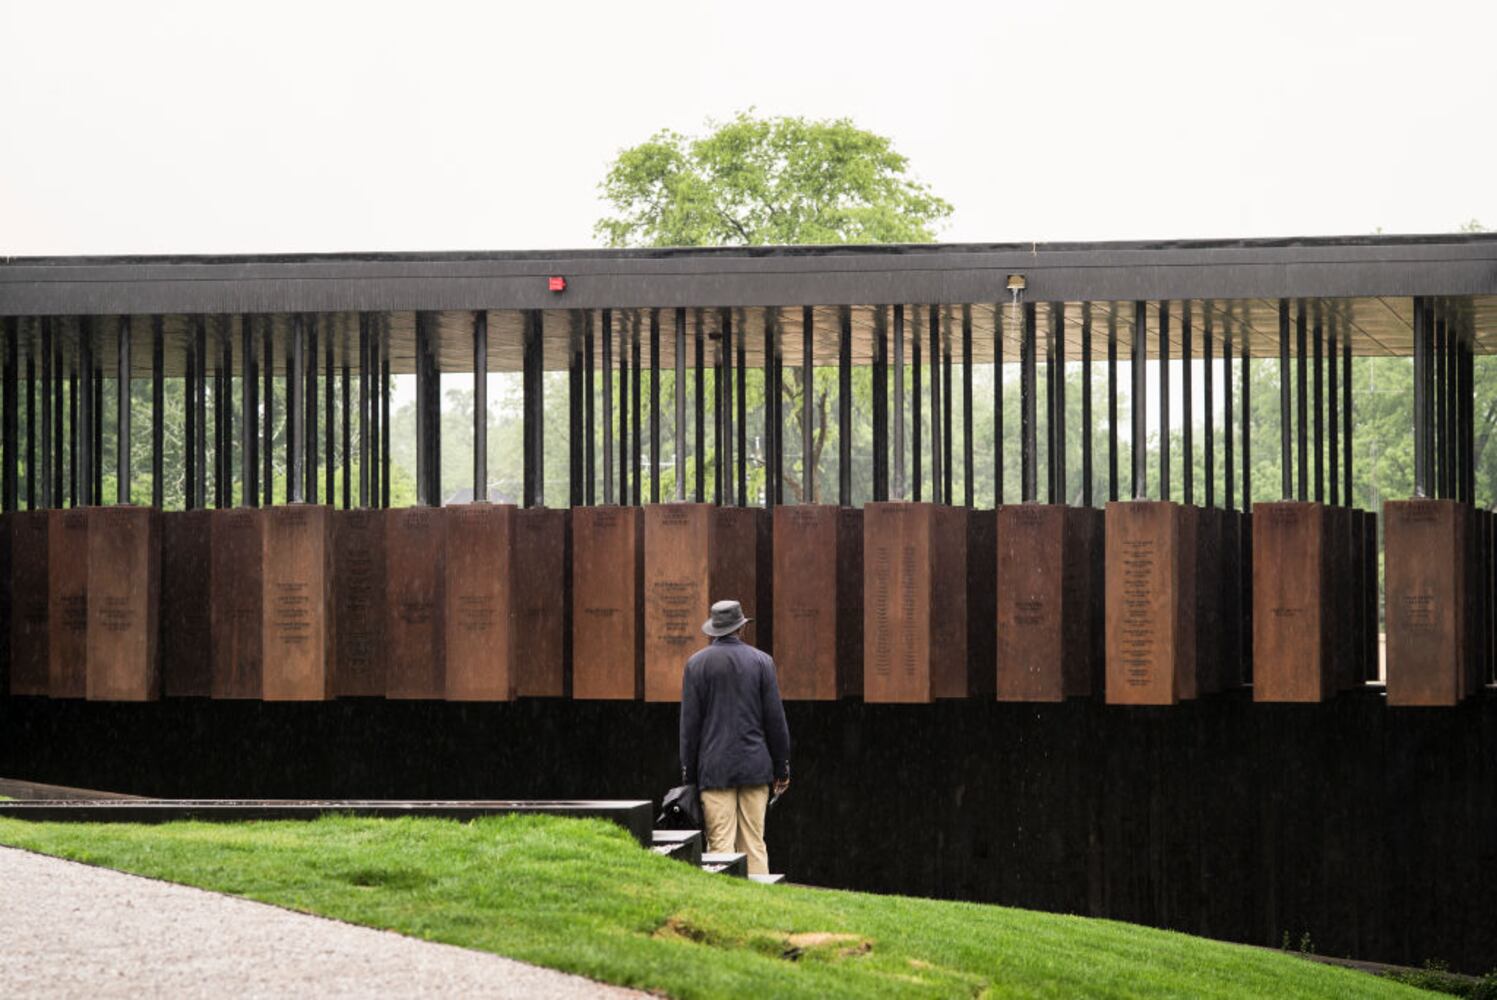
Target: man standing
point(734, 741)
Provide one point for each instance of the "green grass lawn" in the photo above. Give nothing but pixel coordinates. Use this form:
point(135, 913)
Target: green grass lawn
point(580, 895)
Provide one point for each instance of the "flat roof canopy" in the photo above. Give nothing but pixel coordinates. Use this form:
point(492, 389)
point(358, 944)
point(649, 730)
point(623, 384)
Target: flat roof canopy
point(1361, 287)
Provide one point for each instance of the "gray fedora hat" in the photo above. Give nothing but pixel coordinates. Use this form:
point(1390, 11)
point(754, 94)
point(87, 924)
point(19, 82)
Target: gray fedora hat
point(727, 616)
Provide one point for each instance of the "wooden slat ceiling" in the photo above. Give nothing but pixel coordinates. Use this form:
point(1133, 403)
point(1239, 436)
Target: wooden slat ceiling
point(1378, 327)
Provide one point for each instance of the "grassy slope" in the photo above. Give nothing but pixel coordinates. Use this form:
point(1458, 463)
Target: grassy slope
point(580, 896)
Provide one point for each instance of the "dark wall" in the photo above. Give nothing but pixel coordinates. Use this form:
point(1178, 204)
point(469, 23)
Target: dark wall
point(1373, 831)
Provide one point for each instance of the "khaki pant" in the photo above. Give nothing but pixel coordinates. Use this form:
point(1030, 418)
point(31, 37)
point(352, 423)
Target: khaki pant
point(735, 822)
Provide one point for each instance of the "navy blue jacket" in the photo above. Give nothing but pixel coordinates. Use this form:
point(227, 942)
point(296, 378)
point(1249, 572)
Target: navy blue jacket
point(733, 728)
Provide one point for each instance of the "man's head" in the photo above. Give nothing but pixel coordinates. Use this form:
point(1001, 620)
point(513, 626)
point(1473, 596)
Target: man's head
point(726, 618)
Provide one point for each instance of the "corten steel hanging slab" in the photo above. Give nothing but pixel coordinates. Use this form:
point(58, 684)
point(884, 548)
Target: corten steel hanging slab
point(607, 602)
point(477, 617)
point(236, 597)
point(538, 601)
point(1151, 604)
point(1049, 561)
point(695, 554)
point(186, 633)
point(914, 602)
point(299, 626)
point(30, 629)
point(1426, 548)
point(359, 603)
point(1293, 602)
point(67, 603)
point(415, 554)
point(818, 601)
point(124, 594)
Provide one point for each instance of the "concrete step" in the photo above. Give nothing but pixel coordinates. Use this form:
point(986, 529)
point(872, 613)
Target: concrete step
point(726, 863)
point(771, 879)
point(683, 845)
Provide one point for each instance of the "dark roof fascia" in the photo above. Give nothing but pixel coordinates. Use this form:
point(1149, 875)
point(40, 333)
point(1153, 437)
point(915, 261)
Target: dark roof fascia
point(1454, 264)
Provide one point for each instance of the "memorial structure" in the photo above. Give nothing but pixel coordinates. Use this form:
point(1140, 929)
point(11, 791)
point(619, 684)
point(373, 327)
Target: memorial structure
point(906, 565)
point(1000, 605)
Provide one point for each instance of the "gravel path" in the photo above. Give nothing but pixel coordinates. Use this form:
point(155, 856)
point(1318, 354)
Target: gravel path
point(71, 930)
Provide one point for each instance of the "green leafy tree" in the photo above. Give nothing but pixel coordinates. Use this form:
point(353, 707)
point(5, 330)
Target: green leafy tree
point(757, 180)
point(753, 181)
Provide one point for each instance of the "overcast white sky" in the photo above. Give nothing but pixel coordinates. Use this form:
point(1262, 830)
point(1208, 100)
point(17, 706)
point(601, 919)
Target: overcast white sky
point(148, 127)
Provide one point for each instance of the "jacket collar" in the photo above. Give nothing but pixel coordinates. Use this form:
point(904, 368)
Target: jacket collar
point(728, 639)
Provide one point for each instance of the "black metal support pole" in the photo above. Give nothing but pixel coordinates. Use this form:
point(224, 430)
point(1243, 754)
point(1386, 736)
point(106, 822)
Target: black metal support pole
point(726, 448)
point(771, 398)
point(189, 427)
point(481, 406)
point(1286, 424)
point(654, 405)
point(1138, 426)
point(1112, 403)
point(122, 415)
point(937, 479)
point(247, 412)
point(1333, 416)
point(1229, 483)
point(49, 499)
point(1187, 405)
point(998, 476)
point(605, 363)
point(741, 452)
point(1422, 448)
point(723, 427)
point(59, 437)
point(1346, 419)
point(699, 389)
point(345, 397)
point(719, 470)
point(1086, 404)
point(625, 406)
point(31, 426)
point(589, 408)
point(295, 418)
point(200, 403)
point(636, 470)
point(268, 443)
point(844, 408)
point(383, 394)
point(97, 412)
point(880, 404)
point(157, 413)
point(9, 436)
point(225, 392)
point(741, 427)
point(1437, 382)
point(1318, 402)
point(967, 449)
point(310, 362)
point(1247, 429)
point(329, 415)
point(678, 391)
point(898, 416)
point(1028, 409)
point(73, 495)
point(366, 383)
point(916, 478)
point(947, 438)
point(576, 490)
point(424, 430)
point(1302, 401)
point(534, 410)
point(1058, 471)
point(1164, 400)
point(1208, 352)
point(83, 414)
point(807, 401)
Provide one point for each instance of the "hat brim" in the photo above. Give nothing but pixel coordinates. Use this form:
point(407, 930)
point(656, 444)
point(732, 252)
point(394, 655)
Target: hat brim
point(718, 631)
